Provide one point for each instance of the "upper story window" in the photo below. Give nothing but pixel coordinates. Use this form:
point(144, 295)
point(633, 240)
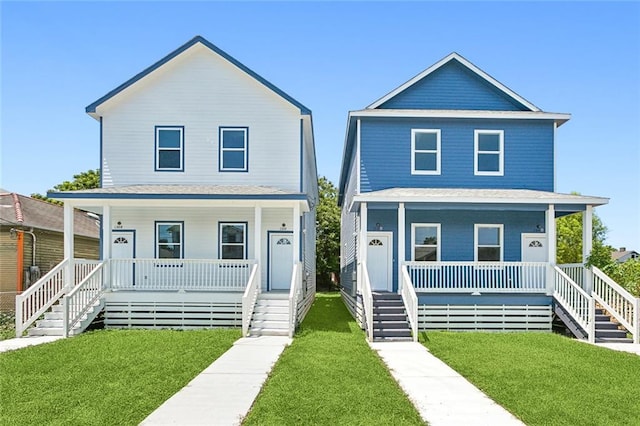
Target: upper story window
point(170, 148)
point(488, 243)
point(233, 240)
point(489, 152)
point(425, 151)
point(425, 241)
point(234, 149)
point(169, 240)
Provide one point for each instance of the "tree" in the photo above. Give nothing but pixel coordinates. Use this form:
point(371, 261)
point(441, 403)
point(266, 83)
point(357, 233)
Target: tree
point(85, 180)
point(327, 233)
point(569, 249)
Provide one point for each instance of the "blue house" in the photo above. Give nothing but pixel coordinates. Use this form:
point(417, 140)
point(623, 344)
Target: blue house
point(448, 200)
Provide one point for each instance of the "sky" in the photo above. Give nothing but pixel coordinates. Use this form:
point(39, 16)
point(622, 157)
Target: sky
point(581, 58)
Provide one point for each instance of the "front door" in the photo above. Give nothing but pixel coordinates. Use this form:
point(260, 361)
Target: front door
point(123, 247)
point(534, 248)
point(379, 260)
point(280, 260)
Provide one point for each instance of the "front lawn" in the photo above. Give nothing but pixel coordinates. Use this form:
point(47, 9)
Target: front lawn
point(330, 376)
point(546, 379)
point(114, 377)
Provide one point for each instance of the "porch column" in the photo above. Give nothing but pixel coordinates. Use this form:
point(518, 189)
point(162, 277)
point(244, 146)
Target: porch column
point(551, 245)
point(257, 238)
point(587, 245)
point(296, 233)
point(106, 244)
point(401, 242)
point(68, 244)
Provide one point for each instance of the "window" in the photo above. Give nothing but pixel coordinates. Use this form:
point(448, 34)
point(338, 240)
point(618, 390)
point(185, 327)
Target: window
point(488, 243)
point(489, 152)
point(234, 149)
point(233, 240)
point(425, 240)
point(169, 148)
point(425, 152)
point(169, 240)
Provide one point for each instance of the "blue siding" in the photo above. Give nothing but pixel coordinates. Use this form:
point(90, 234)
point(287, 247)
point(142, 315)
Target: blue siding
point(346, 277)
point(484, 299)
point(453, 86)
point(386, 154)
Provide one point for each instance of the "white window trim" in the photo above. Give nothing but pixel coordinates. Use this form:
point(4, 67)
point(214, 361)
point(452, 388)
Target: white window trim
point(477, 151)
point(244, 243)
point(157, 238)
point(426, 151)
point(476, 227)
point(413, 240)
point(180, 148)
point(244, 150)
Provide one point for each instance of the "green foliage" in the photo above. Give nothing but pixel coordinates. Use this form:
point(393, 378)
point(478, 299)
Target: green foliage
point(327, 233)
point(569, 250)
point(626, 274)
point(85, 180)
point(7, 325)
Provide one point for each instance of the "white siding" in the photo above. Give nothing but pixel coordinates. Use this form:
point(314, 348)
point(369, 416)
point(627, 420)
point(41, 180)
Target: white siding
point(200, 91)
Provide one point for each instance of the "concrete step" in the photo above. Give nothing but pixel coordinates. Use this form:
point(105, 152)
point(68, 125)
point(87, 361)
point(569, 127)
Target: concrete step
point(256, 324)
point(49, 323)
point(48, 331)
point(271, 316)
point(268, 332)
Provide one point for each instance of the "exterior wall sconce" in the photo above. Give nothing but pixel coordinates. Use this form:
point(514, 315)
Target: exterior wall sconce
point(539, 228)
point(283, 227)
point(379, 226)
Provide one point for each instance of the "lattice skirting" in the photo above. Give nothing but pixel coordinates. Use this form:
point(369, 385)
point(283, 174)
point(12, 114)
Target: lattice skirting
point(483, 317)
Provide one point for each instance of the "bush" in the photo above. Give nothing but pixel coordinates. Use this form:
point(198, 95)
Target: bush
point(626, 274)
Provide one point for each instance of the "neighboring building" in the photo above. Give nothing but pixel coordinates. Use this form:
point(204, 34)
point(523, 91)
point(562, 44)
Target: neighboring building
point(447, 192)
point(622, 255)
point(208, 193)
point(31, 242)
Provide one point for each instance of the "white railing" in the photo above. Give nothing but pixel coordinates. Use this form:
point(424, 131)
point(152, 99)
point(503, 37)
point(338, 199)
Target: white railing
point(575, 271)
point(575, 301)
point(83, 268)
point(617, 301)
point(410, 299)
point(78, 301)
point(180, 274)
point(294, 295)
point(367, 300)
point(487, 277)
point(38, 298)
point(249, 298)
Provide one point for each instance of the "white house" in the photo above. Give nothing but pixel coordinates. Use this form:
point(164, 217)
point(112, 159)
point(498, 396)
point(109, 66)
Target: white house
point(207, 201)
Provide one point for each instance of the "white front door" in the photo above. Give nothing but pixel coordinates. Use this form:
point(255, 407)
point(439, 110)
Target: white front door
point(280, 260)
point(123, 247)
point(379, 259)
point(534, 248)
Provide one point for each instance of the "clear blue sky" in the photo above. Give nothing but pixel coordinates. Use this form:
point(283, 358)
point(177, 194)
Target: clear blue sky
point(580, 58)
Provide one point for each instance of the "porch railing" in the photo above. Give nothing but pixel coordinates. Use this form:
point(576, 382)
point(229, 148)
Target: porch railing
point(83, 268)
point(486, 277)
point(249, 298)
point(617, 301)
point(367, 299)
point(410, 299)
point(294, 296)
point(575, 301)
point(575, 271)
point(180, 274)
point(83, 296)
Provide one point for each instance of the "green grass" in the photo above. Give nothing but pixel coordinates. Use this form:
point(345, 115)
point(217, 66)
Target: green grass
point(330, 376)
point(546, 379)
point(104, 377)
point(7, 325)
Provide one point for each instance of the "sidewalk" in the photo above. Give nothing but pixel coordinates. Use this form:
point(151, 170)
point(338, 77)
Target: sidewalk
point(622, 347)
point(23, 342)
point(224, 392)
point(439, 393)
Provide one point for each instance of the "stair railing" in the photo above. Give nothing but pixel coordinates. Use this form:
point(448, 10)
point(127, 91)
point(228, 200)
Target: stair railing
point(410, 299)
point(250, 297)
point(575, 301)
point(78, 301)
point(294, 294)
point(367, 300)
point(621, 304)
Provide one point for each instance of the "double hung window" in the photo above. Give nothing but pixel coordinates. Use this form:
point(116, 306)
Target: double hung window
point(233, 240)
point(425, 241)
point(169, 148)
point(489, 152)
point(234, 149)
point(425, 151)
point(169, 240)
point(489, 243)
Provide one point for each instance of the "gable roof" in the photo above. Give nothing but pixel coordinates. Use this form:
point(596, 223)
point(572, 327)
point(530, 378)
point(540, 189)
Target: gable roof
point(91, 109)
point(471, 67)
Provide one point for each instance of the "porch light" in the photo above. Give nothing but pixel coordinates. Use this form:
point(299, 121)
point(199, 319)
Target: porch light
point(378, 226)
point(539, 228)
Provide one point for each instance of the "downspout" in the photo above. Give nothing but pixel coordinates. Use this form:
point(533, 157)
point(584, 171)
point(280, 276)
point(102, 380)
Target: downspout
point(33, 246)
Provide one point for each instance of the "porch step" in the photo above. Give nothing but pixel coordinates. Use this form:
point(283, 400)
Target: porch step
point(390, 322)
point(607, 329)
point(270, 315)
point(52, 322)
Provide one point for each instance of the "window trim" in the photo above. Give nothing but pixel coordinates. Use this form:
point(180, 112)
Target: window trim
point(414, 151)
point(156, 242)
point(476, 228)
point(156, 159)
point(413, 241)
point(221, 149)
point(477, 152)
point(245, 243)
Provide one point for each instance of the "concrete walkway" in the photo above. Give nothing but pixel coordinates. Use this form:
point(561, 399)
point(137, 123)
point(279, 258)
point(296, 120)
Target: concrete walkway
point(622, 347)
point(224, 392)
point(440, 394)
point(23, 342)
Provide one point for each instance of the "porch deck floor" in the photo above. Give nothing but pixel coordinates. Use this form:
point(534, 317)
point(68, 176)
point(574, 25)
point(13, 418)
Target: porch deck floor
point(224, 392)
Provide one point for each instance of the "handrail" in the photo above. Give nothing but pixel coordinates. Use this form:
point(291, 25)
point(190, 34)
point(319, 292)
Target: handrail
point(79, 300)
point(575, 301)
point(367, 300)
point(621, 304)
point(410, 299)
point(575, 271)
point(38, 298)
point(294, 292)
point(249, 299)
